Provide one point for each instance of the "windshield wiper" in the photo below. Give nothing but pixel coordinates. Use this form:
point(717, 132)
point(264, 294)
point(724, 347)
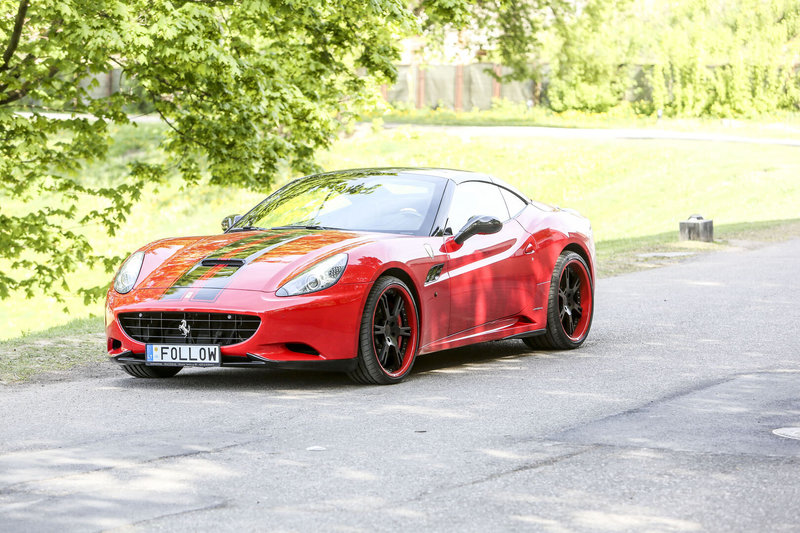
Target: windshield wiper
point(246, 228)
point(299, 226)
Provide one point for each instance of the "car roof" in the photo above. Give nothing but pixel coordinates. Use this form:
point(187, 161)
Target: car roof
point(456, 176)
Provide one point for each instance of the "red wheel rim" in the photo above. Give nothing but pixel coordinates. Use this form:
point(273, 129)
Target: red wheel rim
point(394, 330)
point(574, 300)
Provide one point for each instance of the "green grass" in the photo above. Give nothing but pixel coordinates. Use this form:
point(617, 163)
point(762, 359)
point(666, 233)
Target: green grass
point(634, 191)
point(618, 256)
point(628, 188)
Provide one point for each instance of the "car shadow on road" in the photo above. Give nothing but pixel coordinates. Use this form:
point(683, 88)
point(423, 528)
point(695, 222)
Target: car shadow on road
point(258, 379)
point(485, 352)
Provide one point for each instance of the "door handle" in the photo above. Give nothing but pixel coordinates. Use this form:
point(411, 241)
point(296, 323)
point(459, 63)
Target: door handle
point(529, 248)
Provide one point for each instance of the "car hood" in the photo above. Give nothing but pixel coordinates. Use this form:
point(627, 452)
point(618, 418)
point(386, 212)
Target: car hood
point(253, 260)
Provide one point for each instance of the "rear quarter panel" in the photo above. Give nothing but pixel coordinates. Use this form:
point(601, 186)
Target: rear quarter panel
point(553, 230)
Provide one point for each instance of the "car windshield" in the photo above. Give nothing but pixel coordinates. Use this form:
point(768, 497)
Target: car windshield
point(375, 201)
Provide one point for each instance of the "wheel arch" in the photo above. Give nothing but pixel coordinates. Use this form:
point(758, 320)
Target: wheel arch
point(406, 278)
point(581, 251)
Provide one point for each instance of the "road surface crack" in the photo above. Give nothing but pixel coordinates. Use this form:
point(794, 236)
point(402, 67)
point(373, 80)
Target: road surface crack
point(210, 507)
point(497, 475)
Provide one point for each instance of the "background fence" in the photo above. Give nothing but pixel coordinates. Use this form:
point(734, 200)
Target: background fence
point(468, 87)
point(459, 87)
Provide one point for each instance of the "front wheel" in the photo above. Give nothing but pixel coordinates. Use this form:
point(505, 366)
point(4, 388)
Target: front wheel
point(389, 334)
point(570, 305)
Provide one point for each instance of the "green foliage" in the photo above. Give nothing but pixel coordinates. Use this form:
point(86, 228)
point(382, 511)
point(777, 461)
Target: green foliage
point(517, 27)
point(252, 87)
point(246, 86)
point(685, 57)
point(589, 72)
point(712, 58)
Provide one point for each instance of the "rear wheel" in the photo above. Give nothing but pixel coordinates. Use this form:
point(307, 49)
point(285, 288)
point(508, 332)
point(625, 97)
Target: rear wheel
point(389, 334)
point(143, 371)
point(570, 305)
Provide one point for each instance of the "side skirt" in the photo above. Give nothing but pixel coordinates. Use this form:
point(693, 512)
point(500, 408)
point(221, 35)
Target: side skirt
point(503, 329)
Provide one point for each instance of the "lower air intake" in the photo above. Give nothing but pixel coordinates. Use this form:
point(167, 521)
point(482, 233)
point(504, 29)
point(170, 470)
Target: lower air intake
point(220, 329)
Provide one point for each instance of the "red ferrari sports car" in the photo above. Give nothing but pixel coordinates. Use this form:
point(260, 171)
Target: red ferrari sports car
point(358, 271)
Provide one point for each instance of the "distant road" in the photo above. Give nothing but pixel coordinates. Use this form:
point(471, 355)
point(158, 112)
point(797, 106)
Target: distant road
point(595, 133)
point(535, 131)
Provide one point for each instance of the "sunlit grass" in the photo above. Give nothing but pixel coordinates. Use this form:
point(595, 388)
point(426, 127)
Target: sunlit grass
point(628, 188)
point(634, 191)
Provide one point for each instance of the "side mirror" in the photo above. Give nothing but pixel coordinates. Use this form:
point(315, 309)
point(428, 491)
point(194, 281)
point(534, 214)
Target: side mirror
point(229, 221)
point(478, 225)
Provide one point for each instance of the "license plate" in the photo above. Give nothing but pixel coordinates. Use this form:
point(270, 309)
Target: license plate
point(182, 355)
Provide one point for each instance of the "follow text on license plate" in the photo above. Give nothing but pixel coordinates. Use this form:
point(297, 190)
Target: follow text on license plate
point(182, 355)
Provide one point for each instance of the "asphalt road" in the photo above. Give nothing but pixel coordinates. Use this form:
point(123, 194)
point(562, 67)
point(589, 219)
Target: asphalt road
point(522, 132)
point(663, 421)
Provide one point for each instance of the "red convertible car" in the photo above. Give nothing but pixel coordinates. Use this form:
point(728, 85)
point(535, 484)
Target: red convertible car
point(358, 271)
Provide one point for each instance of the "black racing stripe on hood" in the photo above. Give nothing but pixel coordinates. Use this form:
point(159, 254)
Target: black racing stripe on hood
point(192, 280)
point(207, 295)
point(254, 247)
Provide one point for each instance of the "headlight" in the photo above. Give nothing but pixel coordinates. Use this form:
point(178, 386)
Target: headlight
point(318, 277)
point(127, 275)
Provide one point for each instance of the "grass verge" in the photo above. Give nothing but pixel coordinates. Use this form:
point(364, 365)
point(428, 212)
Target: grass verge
point(75, 343)
point(620, 256)
point(81, 342)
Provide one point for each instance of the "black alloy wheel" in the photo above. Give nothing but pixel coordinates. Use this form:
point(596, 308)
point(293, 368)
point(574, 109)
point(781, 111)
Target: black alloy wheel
point(389, 334)
point(570, 305)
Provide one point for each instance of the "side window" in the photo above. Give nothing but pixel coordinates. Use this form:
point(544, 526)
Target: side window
point(515, 203)
point(473, 198)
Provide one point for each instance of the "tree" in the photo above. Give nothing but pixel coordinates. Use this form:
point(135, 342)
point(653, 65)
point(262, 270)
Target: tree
point(245, 86)
point(511, 30)
point(590, 69)
point(572, 43)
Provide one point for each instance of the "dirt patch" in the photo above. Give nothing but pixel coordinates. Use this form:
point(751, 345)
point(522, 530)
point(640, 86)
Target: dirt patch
point(50, 358)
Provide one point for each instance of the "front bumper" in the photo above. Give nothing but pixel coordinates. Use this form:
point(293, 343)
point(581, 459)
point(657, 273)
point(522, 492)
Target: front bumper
point(254, 361)
point(325, 324)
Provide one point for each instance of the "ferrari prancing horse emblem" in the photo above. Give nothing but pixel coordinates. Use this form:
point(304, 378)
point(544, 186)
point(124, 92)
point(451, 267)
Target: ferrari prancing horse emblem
point(184, 328)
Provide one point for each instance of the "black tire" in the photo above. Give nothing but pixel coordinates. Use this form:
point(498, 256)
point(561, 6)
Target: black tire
point(389, 336)
point(570, 305)
point(142, 371)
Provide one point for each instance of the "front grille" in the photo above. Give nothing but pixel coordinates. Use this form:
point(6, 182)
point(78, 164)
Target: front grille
point(203, 328)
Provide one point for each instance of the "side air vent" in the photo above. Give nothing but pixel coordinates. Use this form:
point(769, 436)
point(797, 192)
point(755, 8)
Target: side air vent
point(189, 328)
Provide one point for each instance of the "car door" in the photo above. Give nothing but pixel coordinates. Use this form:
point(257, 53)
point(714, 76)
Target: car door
point(488, 273)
